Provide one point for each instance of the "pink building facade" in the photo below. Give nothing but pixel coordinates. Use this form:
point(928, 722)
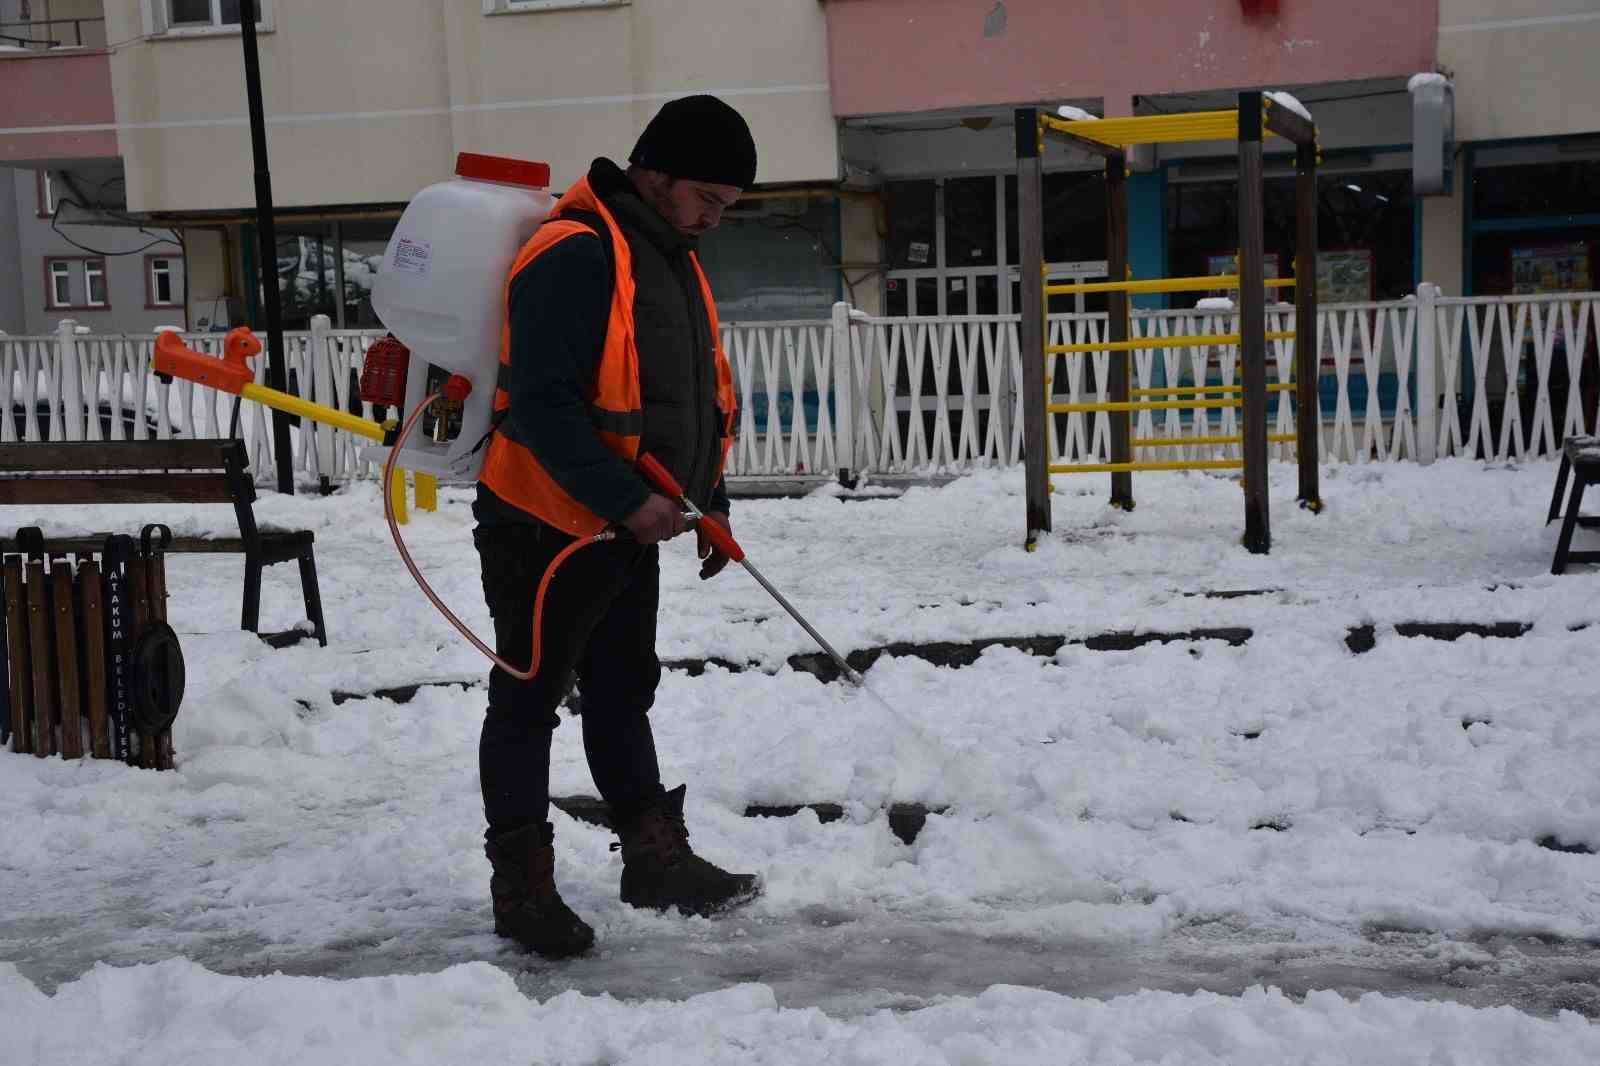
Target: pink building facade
point(925, 92)
point(898, 56)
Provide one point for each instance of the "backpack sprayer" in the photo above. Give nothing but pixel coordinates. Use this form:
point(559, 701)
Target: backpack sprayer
point(441, 293)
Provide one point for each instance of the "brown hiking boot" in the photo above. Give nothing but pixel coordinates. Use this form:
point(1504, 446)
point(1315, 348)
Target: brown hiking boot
point(660, 870)
point(527, 907)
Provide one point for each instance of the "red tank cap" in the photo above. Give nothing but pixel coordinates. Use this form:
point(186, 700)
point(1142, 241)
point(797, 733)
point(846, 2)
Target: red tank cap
point(499, 168)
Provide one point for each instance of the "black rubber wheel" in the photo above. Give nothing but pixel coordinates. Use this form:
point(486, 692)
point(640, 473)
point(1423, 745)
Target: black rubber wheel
point(158, 677)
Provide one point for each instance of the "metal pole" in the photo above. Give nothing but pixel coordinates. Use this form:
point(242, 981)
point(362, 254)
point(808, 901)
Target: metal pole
point(1031, 331)
point(267, 246)
point(1253, 326)
point(338, 274)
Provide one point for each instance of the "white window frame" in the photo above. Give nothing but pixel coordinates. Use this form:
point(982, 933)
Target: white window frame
point(155, 286)
point(158, 22)
point(519, 7)
point(60, 274)
point(91, 268)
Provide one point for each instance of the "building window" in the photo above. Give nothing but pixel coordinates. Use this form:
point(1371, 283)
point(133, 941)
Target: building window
point(1364, 231)
point(94, 283)
point(47, 194)
point(181, 17)
point(953, 243)
point(59, 274)
point(160, 288)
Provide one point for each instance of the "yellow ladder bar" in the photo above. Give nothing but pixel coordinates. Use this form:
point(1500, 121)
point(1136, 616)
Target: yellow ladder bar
point(1153, 285)
point(1277, 386)
point(1193, 340)
point(1179, 442)
point(1139, 405)
point(1128, 468)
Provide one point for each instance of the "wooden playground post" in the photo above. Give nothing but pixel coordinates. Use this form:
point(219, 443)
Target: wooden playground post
point(1031, 330)
point(1253, 326)
point(1307, 353)
point(1118, 326)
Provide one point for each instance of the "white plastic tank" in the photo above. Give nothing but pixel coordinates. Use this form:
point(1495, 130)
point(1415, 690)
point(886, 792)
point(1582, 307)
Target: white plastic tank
point(441, 291)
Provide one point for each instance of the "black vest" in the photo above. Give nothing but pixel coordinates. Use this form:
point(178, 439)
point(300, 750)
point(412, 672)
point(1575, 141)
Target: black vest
point(677, 364)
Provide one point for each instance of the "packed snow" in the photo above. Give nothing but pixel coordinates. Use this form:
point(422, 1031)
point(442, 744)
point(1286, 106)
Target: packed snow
point(1289, 101)
point(176, 1013)
point(1190, 852)
point(1075, 114)
point(1419, 80)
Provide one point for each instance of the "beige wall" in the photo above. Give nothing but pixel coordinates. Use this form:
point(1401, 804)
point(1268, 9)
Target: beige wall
point(566, 86)
point(337, 81)
point(1442, 256)
point(369, 100)
point(209, 269)
point(859, 221)
point(1522, 68)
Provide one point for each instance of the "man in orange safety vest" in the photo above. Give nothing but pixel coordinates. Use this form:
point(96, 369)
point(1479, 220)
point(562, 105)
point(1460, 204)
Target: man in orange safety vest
point(611, 350)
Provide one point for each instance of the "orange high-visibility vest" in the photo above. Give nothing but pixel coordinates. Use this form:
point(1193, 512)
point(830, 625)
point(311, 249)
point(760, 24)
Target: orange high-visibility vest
point(510, 470)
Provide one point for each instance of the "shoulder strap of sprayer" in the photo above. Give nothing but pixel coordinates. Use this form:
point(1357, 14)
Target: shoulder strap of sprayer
point(593, 221)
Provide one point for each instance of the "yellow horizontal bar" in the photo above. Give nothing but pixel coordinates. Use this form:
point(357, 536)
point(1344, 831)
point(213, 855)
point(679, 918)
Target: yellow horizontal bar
point(1193, 340)
point(1156, 285)
point(1139, 405)
point(328, 416)
point(1219, 281)
point(1179, 442)
point(1280, 386)
point(1128, 468)
point(1152, 129)
point(1172, 389)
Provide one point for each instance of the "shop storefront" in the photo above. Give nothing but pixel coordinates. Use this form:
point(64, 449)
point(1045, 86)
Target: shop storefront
point(1532, 226)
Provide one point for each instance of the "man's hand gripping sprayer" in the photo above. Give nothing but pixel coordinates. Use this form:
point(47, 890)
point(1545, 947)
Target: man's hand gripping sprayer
point(231, 373)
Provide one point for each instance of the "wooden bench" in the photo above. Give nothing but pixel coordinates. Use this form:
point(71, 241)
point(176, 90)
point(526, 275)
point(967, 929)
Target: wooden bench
point(1580, 457)
point(163, 471)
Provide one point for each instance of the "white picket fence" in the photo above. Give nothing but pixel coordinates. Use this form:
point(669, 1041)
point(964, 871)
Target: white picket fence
point(926, 396)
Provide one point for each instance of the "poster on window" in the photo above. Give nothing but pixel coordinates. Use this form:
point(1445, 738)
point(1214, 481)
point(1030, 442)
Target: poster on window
point(1228, 263)
point(1546, 268)
point(1345, 276)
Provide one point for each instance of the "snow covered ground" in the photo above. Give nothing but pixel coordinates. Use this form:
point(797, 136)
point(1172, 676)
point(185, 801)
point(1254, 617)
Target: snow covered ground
point(1208, 823)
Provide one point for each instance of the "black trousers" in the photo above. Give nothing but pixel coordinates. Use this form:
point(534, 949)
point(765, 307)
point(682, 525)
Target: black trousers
point(599, 629)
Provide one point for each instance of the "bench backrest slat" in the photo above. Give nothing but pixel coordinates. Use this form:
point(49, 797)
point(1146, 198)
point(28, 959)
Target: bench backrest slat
point(53, 456)
point(131, 471)
point(203, 487)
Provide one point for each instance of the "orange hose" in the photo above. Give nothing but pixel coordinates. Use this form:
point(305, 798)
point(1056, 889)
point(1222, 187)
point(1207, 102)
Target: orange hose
point(427, 590)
